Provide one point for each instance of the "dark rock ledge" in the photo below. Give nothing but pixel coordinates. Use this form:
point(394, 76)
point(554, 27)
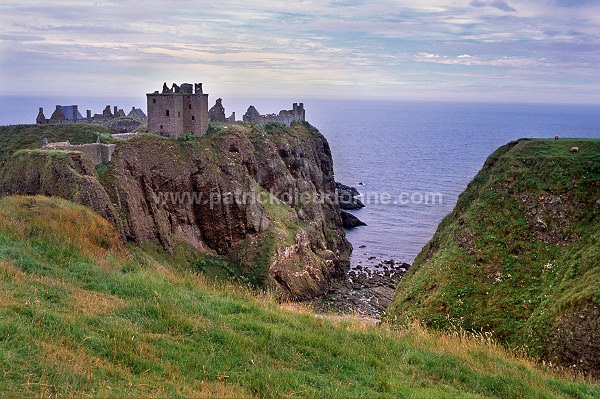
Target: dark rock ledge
point(349, 221)
point(347, 197)
point(347, 200)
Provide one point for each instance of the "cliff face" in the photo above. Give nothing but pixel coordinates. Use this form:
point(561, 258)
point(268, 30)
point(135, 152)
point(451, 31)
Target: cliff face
point(71, 176)
point(219, 193)
point(520, 255)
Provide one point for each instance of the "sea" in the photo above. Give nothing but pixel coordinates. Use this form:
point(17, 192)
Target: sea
point(409, 160)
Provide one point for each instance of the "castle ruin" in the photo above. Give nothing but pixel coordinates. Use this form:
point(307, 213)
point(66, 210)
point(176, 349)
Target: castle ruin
point(178, 111)
point(287, 117)
point(175, 111)
point(217, 113)
point(99, 153)
point(70, 114)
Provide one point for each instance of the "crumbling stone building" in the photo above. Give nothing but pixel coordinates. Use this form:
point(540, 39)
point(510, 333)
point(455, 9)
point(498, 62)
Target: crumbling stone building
point(62, 114)
point(178, 110)
point(99, 153)
point(287, 117)
point(70, 114)
point(217, 113)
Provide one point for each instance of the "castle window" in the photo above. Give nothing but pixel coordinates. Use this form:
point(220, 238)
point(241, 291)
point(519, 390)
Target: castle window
point(160, 127)
point(179, 114)
point(193, 118)
point(190, 106)
point(167, 112)
point(154, 101)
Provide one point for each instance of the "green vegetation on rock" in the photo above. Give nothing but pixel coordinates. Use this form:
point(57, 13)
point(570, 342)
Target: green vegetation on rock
point(218, 193)
point(519, 256)
point(17, 137)
point(82, 314)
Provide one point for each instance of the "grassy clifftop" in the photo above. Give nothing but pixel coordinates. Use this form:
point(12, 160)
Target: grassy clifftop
point(81, 314)
point(18, 137)
point(520, 255)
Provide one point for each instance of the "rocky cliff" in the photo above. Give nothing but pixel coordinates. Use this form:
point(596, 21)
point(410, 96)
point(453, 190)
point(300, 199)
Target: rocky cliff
point(71, 176)
point(519, 257)
point(257, 195)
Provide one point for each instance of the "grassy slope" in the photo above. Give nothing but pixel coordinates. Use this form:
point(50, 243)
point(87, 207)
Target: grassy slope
point(81, 314)
point(18, 137)
point(520, 250)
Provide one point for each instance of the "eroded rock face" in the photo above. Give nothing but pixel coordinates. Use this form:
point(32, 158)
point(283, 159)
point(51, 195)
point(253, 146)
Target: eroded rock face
point(575, 341)
point(69, 175)
point(218, 194)
point(266, 199)
point(550, 216)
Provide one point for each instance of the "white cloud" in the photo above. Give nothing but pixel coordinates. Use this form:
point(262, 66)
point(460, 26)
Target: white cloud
point(468, 60)
point(306, 46)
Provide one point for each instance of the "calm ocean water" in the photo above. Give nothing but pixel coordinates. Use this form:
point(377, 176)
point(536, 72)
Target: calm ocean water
point(404, 150)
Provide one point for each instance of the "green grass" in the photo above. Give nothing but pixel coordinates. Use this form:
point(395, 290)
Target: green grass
point(81, 314)
point(19, 137)
point(520, 251)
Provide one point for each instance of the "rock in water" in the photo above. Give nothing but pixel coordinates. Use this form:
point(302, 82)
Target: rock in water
point(349, 221)
point(347, 197)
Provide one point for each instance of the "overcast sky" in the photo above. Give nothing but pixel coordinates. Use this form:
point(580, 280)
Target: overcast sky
point(495, 50)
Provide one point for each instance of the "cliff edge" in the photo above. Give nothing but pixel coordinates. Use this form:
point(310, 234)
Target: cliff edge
point(261, 196)
point(519, 256)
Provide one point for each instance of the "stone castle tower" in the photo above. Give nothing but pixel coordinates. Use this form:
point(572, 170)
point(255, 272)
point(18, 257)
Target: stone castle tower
point(178, 110)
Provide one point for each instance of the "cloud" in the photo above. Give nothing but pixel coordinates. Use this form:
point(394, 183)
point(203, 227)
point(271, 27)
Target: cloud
point(469, 60)
point(87, 29)
point(20, 38)
point(499, 4)
point(312, 46)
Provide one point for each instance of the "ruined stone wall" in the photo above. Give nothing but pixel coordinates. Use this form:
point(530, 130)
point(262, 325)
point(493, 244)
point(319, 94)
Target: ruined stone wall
point(165, 114)
point(272, 118)
point(196, 114)
point(99, 153)
point(58, 117)
point(286, 117)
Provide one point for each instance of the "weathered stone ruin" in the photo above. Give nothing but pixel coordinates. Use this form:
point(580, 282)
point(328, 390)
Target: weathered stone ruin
point(287, 117)
point(178, 110)
point(217, 113)
point(99, 153)
point(70, 114)
point(62, 114)
point(137, 113)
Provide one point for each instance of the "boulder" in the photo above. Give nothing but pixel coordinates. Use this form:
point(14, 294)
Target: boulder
point(350, 221)
point(347, 197)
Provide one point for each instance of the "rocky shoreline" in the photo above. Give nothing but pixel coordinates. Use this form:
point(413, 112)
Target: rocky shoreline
point(364, 291)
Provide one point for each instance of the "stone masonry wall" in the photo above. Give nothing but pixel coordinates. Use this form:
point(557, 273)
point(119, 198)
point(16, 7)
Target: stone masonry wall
point(99, 153)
